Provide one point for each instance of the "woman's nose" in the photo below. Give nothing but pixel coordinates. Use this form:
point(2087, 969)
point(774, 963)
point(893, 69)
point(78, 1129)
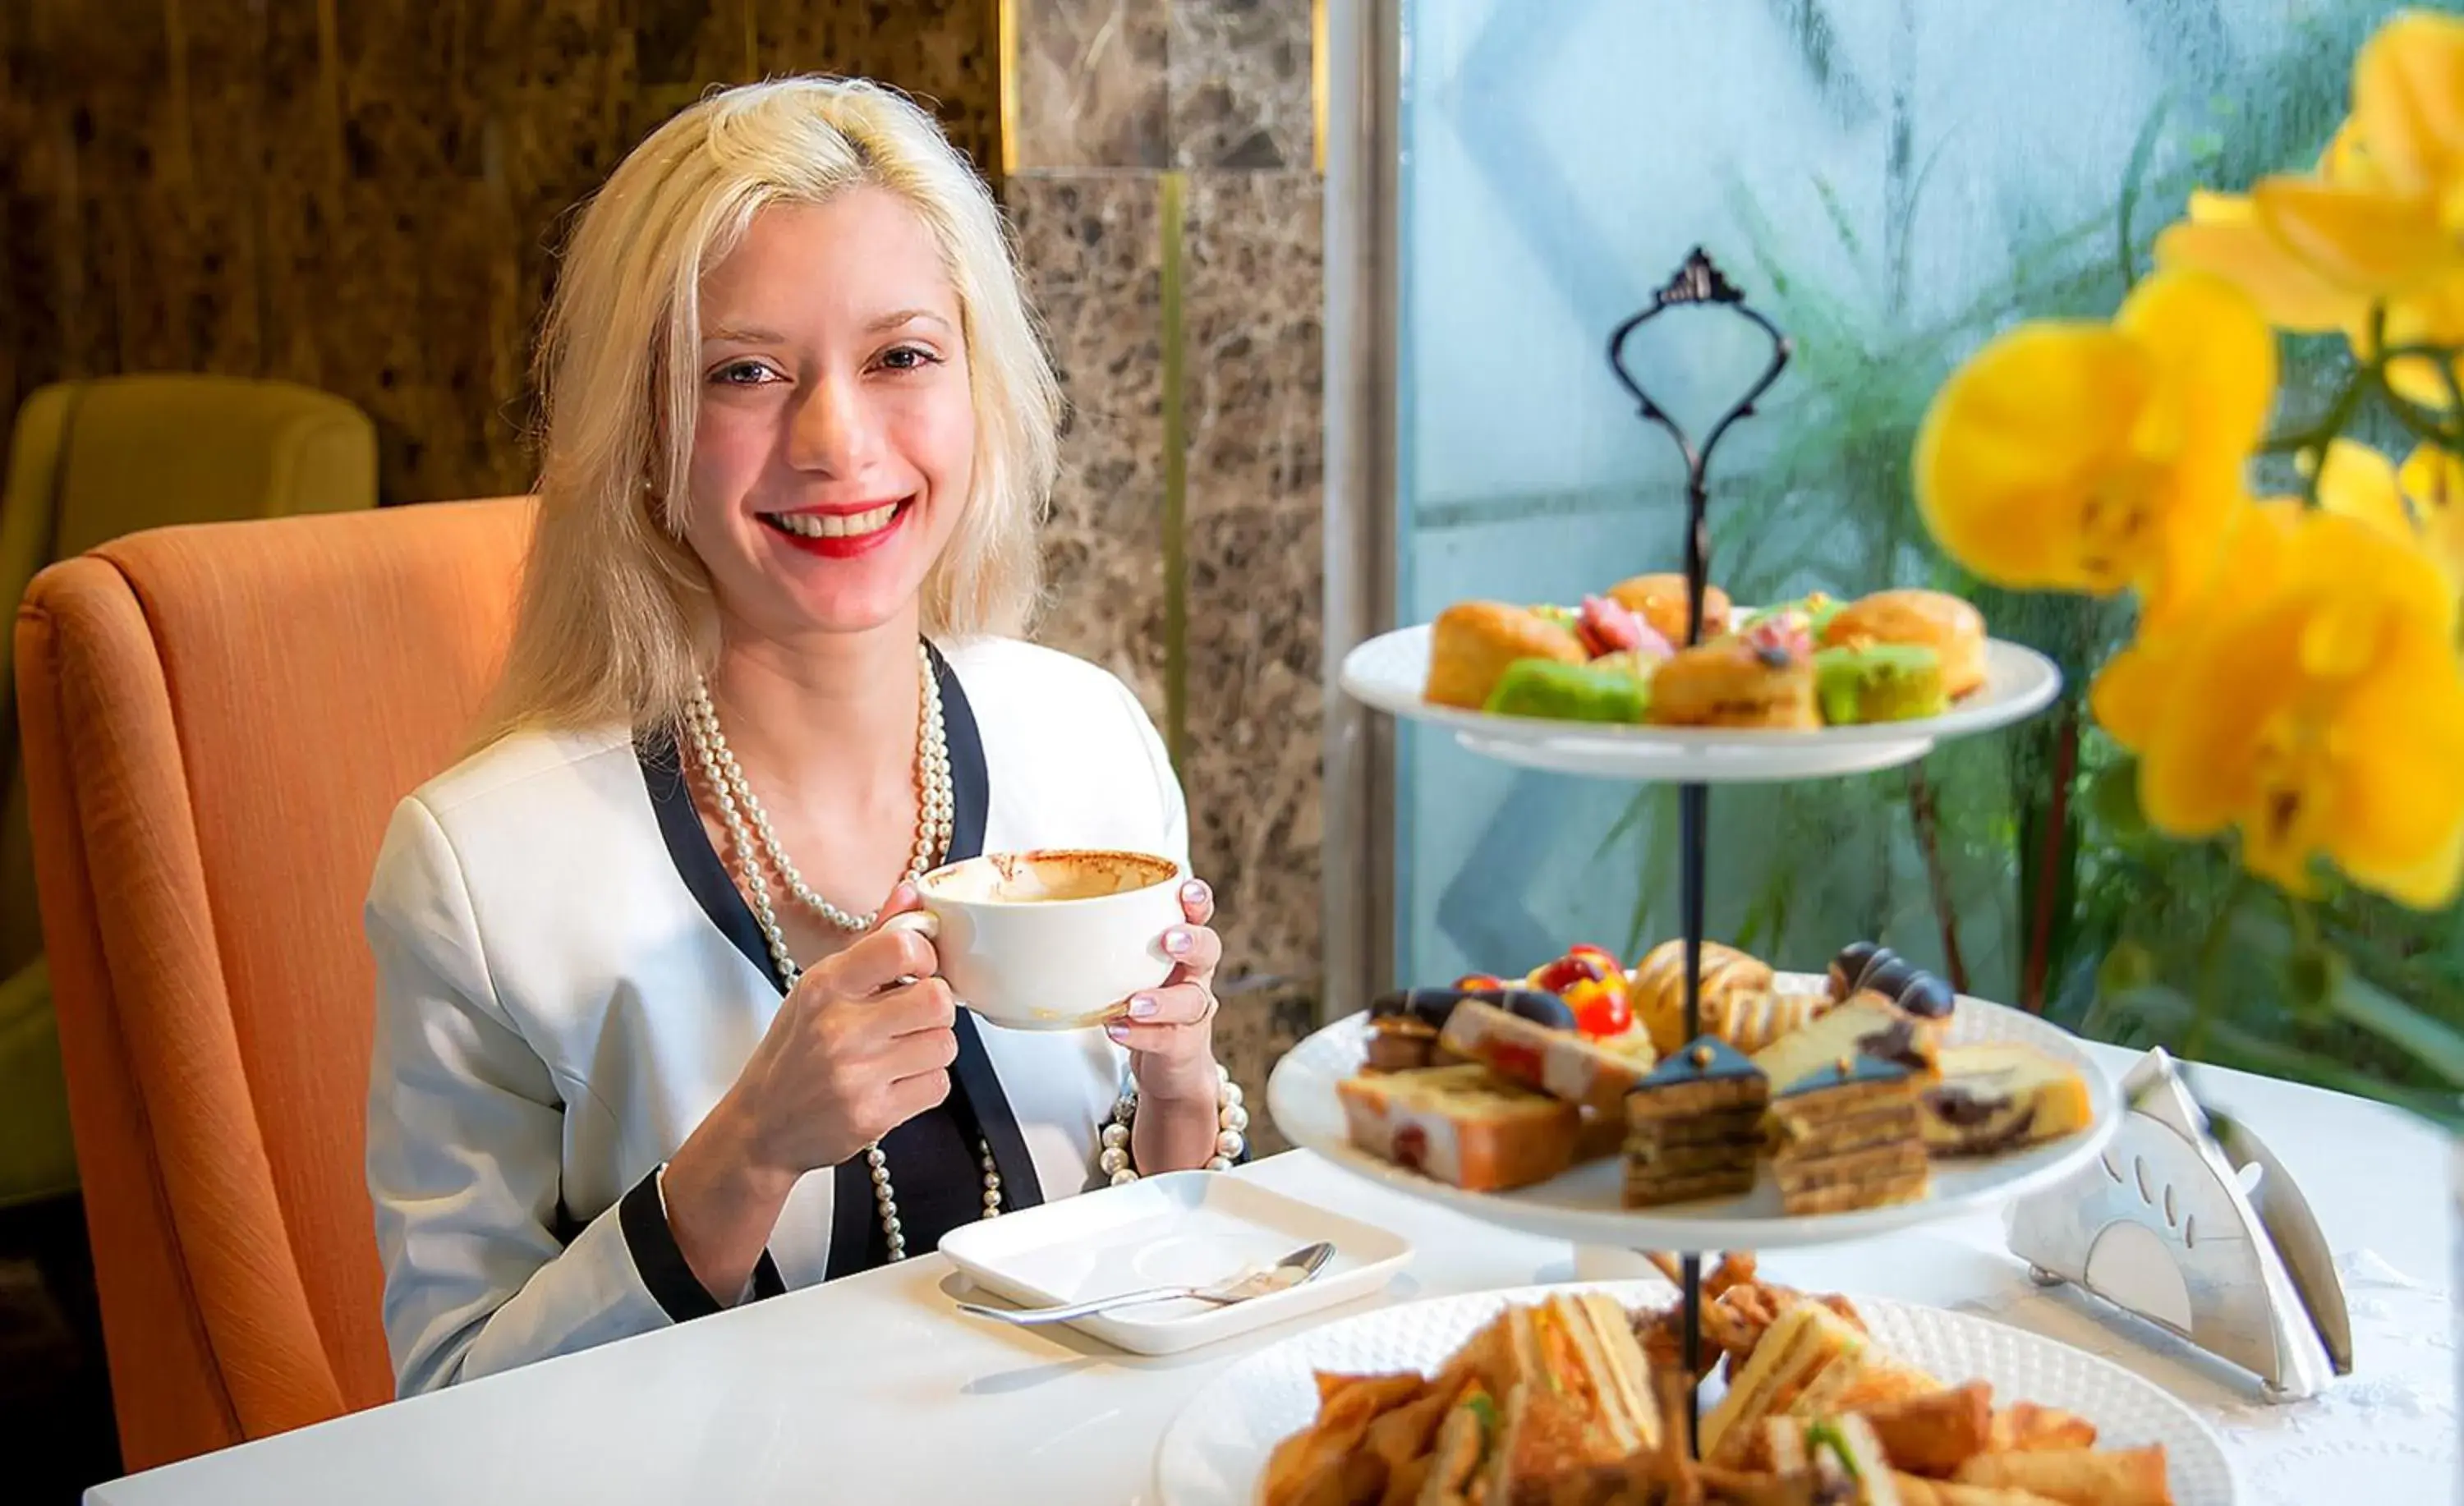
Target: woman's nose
point(833, 430)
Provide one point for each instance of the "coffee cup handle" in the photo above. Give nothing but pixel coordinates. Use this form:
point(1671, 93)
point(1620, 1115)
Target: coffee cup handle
point(923, 923)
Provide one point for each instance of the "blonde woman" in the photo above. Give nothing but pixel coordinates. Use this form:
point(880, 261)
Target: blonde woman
point(642, 1051)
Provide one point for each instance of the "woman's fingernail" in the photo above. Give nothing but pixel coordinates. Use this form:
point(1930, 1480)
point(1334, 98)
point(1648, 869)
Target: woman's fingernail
point(1143, 1007)
point(1195, 892)
point(1117, 1031)
point(1175, 941)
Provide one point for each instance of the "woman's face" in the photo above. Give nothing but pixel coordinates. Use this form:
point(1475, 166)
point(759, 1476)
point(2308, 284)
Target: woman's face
point(836, 436)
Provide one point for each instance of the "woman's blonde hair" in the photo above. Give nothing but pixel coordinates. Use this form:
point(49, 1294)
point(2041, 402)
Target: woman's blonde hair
point(615, 620)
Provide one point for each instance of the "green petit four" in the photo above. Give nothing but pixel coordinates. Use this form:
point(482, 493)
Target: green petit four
point(1564, 692)
point(1879, 683)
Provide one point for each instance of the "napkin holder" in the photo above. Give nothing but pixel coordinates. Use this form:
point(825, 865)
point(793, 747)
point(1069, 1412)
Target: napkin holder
point(2199, 1231)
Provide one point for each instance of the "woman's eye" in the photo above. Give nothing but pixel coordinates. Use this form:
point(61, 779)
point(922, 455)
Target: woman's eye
point(908, 358)
point(743, 374)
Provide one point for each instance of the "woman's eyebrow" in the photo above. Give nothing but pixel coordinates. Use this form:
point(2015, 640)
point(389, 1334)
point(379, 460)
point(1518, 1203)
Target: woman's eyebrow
point(898, 316)
point(734, 335)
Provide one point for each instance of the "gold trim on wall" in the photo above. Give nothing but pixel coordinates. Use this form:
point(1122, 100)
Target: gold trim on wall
point(1319, 83)
point(1169, 279)
point(1006, 55)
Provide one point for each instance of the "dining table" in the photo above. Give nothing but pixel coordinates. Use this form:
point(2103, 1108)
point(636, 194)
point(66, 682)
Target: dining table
point(876, 1389)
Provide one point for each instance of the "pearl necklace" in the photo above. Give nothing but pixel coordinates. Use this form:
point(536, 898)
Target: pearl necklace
point(937, 807)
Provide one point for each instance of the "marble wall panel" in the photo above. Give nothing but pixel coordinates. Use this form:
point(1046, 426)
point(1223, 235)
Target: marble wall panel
point(1252, 316)
point(367, 197)
point(1089, 76)
point(1091, 248)
point(1241, 84)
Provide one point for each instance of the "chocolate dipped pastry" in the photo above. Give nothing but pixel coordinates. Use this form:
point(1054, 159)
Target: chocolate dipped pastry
point(2000, 1096)
point(1405, 1025)
point(1694, 1126)
point(1866, 967)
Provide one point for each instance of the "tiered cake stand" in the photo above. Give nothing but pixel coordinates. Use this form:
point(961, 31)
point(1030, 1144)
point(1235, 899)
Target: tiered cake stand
point(1585, 1205)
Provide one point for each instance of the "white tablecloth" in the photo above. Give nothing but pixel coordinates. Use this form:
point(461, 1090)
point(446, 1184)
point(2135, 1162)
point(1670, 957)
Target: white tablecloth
point(873, 1390)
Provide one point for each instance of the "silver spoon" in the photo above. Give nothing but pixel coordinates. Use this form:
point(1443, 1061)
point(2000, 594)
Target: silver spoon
point(1284, 1275)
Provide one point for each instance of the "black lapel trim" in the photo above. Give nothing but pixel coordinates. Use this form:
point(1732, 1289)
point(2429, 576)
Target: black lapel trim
point(979, 1084)
point(696, 861)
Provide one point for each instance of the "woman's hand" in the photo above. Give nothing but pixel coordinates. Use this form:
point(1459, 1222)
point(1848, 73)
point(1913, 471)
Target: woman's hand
point(1170, 1029)
point(1170, 1033)
point(862, 1045)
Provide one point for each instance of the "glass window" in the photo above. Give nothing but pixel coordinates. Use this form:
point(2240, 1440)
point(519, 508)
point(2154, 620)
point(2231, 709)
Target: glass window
point(1892, 182)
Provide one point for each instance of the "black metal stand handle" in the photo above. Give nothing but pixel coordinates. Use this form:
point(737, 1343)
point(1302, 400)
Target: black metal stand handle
point(1697, 282)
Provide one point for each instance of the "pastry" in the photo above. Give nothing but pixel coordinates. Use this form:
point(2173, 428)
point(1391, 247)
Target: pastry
point(1999, 1096)
point(1694, 1126)
point(1750, 1019)
point(1609, 629)
point(1558, 1062)
point(1405, 1025)
point(1657, 989)
point(1473, 642)
point(1733, 682)
point(1594, 986)
point(1567, 693)
point(1815, 607)
point(1865, 1023)
point(1846, 1136)
point(1867, 967)
point(1659, 599)
point(1878, 683)
point(1934, 620)
point(1462, 1126)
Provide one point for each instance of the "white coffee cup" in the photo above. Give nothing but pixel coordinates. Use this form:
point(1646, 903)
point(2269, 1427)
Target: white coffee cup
point(1053, 939)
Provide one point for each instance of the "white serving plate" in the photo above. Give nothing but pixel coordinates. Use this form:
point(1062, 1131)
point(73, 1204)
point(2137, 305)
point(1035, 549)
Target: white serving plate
point(1186, 1228)
point(1586, 1204)
point(1387, 671)
point(1215, 1451)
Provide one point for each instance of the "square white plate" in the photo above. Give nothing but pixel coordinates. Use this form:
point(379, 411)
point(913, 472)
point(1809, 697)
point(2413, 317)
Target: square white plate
point(1187, 1228)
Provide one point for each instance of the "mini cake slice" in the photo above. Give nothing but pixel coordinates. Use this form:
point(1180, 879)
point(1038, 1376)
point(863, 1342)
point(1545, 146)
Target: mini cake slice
point(1866, 1025)
point(1463, 1125)
point(1558, 1062)
point(2000, 1096)
point(1847, 1136)
point(1694, 1126)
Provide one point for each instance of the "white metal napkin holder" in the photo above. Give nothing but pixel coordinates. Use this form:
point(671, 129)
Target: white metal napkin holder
point(2192, 1226)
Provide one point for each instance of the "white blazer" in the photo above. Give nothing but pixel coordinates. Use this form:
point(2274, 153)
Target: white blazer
point(567, 982)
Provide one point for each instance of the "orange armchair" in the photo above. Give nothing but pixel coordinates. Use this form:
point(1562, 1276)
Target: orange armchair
point(217, 721)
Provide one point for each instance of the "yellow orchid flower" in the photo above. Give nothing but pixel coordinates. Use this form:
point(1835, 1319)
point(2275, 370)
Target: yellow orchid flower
point(2393, 218)
point(2328, 719)
point(2416, 506)
point(2135, 688)
point(2380, 224)
point(2092, 457)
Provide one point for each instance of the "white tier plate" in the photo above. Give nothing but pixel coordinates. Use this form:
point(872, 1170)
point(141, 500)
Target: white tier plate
point(1387, 671)
point(1215, 1451)
point(1586, 1204)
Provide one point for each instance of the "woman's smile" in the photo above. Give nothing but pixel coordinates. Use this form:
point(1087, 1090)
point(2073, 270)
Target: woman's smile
point(840, 532)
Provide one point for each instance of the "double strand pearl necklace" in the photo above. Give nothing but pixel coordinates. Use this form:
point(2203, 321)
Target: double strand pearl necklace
point(936, 808)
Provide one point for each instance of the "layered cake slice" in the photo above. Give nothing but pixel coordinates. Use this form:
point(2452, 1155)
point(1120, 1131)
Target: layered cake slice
point(1846, 1135)
point(2000, 1096)
point(1694, 1126)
